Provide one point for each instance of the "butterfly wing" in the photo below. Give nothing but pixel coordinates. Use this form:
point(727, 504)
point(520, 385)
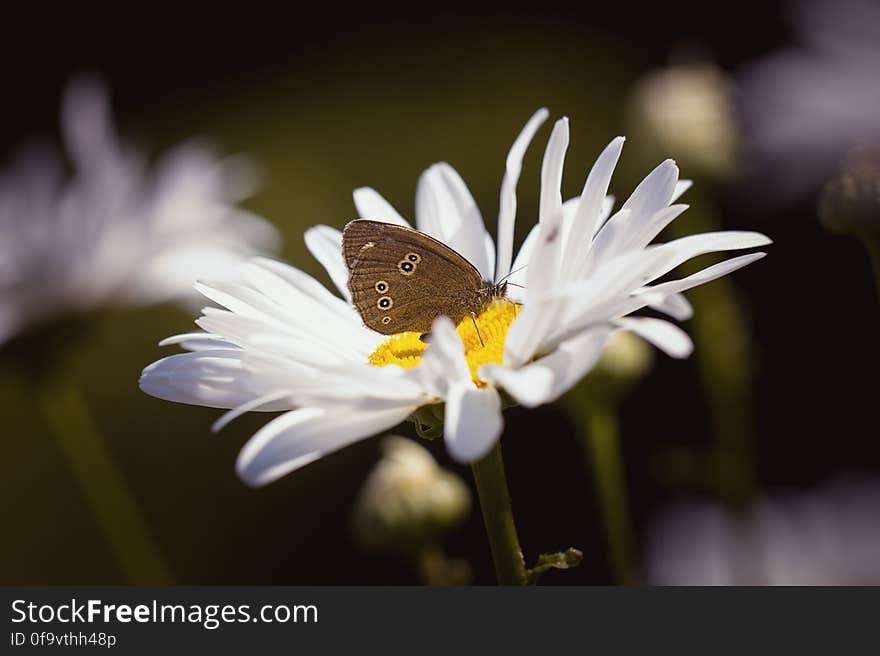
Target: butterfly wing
point(401, 279)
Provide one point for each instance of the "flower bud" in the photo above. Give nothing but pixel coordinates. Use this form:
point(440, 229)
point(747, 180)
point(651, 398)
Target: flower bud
point(408, 501)
point(685, 111)
point(624, 362)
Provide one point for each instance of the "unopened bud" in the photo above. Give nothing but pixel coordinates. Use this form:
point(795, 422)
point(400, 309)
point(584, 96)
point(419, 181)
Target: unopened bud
point(408, 500)
point(685, 111)
point(624, 362)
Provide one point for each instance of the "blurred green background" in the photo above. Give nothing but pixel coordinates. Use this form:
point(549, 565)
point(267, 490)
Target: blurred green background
point(330, 103)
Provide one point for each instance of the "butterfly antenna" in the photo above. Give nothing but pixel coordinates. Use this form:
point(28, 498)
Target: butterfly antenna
point(513, 284)
point(511, 273)
point(474, 319)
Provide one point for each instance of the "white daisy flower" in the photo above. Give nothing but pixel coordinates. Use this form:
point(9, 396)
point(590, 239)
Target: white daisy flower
point(116, 231)
point(814, 101)
point(826, 536)
point(283, 342)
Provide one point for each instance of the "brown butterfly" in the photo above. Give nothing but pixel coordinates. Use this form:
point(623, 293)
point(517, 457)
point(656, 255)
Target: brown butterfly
point(401, 279)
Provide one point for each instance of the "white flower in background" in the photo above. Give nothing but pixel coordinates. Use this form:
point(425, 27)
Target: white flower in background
point(829, 536)
point(284, 342)
point(115, 230)
point(812, 103)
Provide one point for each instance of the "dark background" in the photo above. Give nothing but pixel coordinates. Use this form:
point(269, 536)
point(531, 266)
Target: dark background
point(328, 99)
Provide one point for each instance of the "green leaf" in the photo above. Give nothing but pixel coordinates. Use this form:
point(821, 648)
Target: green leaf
point(567, 559)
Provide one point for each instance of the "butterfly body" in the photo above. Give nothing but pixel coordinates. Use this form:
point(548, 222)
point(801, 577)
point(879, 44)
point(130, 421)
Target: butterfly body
point(401, 279)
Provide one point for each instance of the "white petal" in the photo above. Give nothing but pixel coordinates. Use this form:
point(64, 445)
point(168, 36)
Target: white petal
point(432, 203)
point(634, 219)
point(626, 231)
point(595, 299)
point(569, 210)
point(680, 187)
point(681, 250)
point(518, 275)
point(615, 289)
point(197, 341)
point(302, 436)
point(315, 311)
point(584, 316)
point(472, 422)
point(532, 324)
point(361, 385)
point(643, 232)
point(370, 205)
point(524, 255)
point(242, 300)
point(522, 339)
point(675, 305)
point(306, 284)
point(545, 259)
point(325, 245)
point(507, 211)
point(446, 210)
point(607, 206)
point(470, 240)
point(253, 313)
point(548, 378)
point(666, 336)
point(277, 290)
point(655, 191)
point(212, 378)
point(259, 403)
point(706, 275)
point(490, 256)
point(551, 171)
point(531, 385)
point(310, 349)
point(443, 362)
point(627, 271)
point(555, 314)
point(592, 201)
point(584, 262)
point(575, 357)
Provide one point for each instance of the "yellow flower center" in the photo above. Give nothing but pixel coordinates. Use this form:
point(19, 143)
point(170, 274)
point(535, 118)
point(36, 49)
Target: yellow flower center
point(405, 349)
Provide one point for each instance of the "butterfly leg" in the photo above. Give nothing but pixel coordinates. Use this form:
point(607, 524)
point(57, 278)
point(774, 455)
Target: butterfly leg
point(474, 319)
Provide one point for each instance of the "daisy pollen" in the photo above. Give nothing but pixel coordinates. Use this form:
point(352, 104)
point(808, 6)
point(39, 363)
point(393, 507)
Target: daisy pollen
point(483, 347)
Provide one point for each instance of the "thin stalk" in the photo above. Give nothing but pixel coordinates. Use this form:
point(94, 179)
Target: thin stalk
point(510, 567)
point(431, 563)
point(103, 488)
point(724, 352)
point(600, 437)
point(436, 568)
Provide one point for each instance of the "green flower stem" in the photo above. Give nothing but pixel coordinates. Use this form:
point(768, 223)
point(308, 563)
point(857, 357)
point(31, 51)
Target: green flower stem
point(510, 567)
point(435, 568)
point(431, 562)
point(724, 352)
point(103, 488)
point(600, 437)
